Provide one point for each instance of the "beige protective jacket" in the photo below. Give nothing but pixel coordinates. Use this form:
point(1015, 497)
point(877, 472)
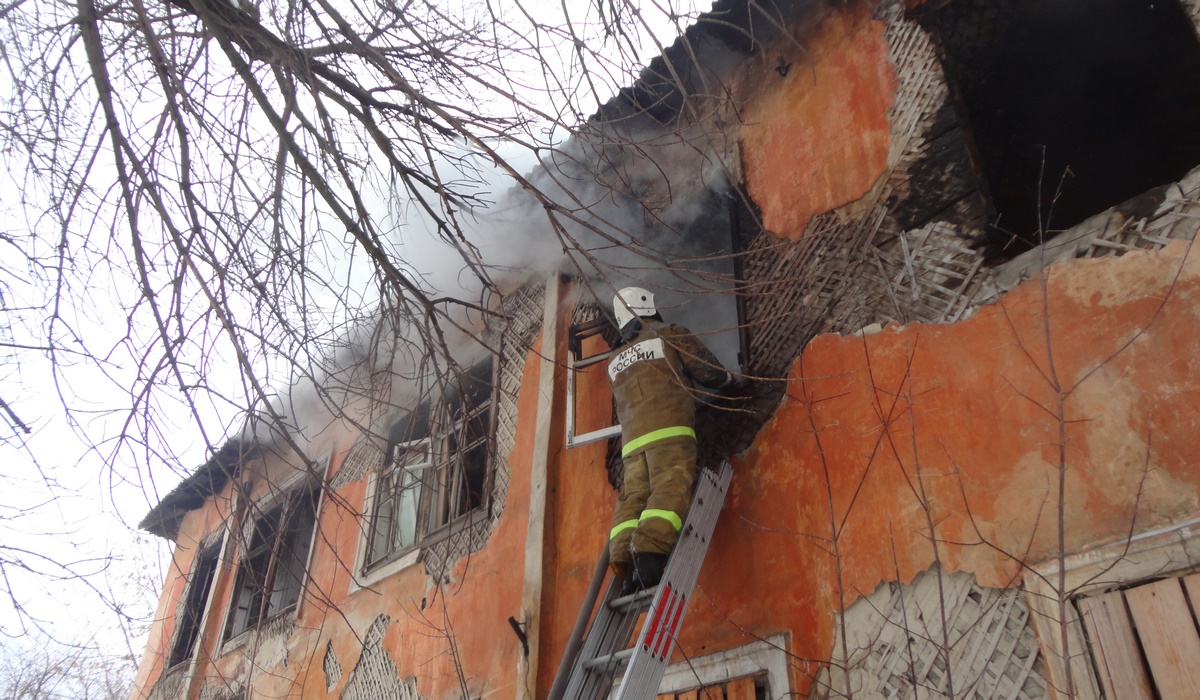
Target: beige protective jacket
point(652, 378)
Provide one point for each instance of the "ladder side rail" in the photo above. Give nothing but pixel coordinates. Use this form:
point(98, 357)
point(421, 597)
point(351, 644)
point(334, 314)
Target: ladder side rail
point(646, 670)
point(594, 643)
point(595, 683)
point(656, 641)
point(612, 626)
point(656, 644)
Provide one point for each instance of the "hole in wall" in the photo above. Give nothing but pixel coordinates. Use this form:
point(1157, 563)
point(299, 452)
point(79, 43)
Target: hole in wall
point(1107, 90)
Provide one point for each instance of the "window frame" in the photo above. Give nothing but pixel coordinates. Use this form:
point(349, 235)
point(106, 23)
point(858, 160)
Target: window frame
point(444, 503)
point(288, 504)
point(768, 657)
point(576, 361)
point(197, 595)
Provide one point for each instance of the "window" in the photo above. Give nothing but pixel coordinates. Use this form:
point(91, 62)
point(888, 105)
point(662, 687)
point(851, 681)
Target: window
point(437, 469)
point(745, 688)
point(579, 362)
point(273, 561)
point(760, 670)
point(188, 625)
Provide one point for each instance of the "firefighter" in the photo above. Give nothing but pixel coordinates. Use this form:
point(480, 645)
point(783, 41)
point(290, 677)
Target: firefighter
point(652, 376)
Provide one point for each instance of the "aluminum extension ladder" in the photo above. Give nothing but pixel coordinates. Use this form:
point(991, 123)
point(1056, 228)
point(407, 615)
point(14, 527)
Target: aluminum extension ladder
point(604, 657)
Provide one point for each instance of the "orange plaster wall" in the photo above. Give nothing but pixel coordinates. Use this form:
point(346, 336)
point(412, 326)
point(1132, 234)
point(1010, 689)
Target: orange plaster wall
point(195, 527)
point(581, 508)
point(954, 416)
point(485, 588)
point(944, 415)
point(163, 626)
point(818, 138)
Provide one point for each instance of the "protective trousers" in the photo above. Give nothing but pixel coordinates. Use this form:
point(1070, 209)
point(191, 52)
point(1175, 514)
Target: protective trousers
point(653, 501)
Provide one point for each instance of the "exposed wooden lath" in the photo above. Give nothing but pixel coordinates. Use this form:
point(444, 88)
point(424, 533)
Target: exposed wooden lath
point(899, 649)
point(1112, 232)
point(912, 249)
point(863, 264)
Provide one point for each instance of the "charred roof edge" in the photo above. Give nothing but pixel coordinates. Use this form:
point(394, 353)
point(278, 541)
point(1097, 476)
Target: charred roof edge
point(208, 479)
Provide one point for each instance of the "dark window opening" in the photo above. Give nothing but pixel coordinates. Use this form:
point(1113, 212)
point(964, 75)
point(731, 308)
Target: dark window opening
point(438, 469)
point(199, 583)
point(1107, 92)
point(271, 571)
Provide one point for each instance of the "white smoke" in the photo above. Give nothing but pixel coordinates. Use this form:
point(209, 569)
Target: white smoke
point(622, 202)
point(651, 209)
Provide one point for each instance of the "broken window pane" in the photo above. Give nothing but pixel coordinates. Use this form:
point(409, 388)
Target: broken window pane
point(271, 569)
point(425, 486)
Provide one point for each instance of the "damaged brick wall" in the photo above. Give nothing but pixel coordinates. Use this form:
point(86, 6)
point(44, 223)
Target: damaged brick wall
point(913, 248)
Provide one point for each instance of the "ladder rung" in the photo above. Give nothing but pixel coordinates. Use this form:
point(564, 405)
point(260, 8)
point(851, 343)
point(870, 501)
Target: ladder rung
point(627, 602)
point(617, 658)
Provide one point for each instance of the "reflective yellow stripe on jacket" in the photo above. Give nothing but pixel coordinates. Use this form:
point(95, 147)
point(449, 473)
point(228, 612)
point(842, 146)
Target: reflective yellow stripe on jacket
point(656, 435)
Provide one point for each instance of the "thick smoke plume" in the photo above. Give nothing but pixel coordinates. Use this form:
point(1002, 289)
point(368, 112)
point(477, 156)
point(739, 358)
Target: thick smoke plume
point(650, 207)
point(640, 195)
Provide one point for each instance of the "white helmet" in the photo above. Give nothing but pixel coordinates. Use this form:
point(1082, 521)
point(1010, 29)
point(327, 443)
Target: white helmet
point(631, 302)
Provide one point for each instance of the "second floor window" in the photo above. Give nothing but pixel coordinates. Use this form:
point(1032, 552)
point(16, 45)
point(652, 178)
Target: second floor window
point(437, 470)
point(274, 557)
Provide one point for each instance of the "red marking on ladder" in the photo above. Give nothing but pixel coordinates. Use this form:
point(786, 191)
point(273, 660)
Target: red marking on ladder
point(658, 613)
point(675, 623)
point(669, 635)
point(668, 604)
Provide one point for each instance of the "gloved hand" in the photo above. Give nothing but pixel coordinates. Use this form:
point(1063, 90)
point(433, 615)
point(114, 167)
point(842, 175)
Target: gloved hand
point(736, 384)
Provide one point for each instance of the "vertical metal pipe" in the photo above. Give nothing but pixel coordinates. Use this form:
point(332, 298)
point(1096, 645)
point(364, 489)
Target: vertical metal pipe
point(581, 622)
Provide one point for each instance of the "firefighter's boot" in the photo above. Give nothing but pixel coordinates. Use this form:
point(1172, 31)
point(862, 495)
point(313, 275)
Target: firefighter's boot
point(649, 568)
